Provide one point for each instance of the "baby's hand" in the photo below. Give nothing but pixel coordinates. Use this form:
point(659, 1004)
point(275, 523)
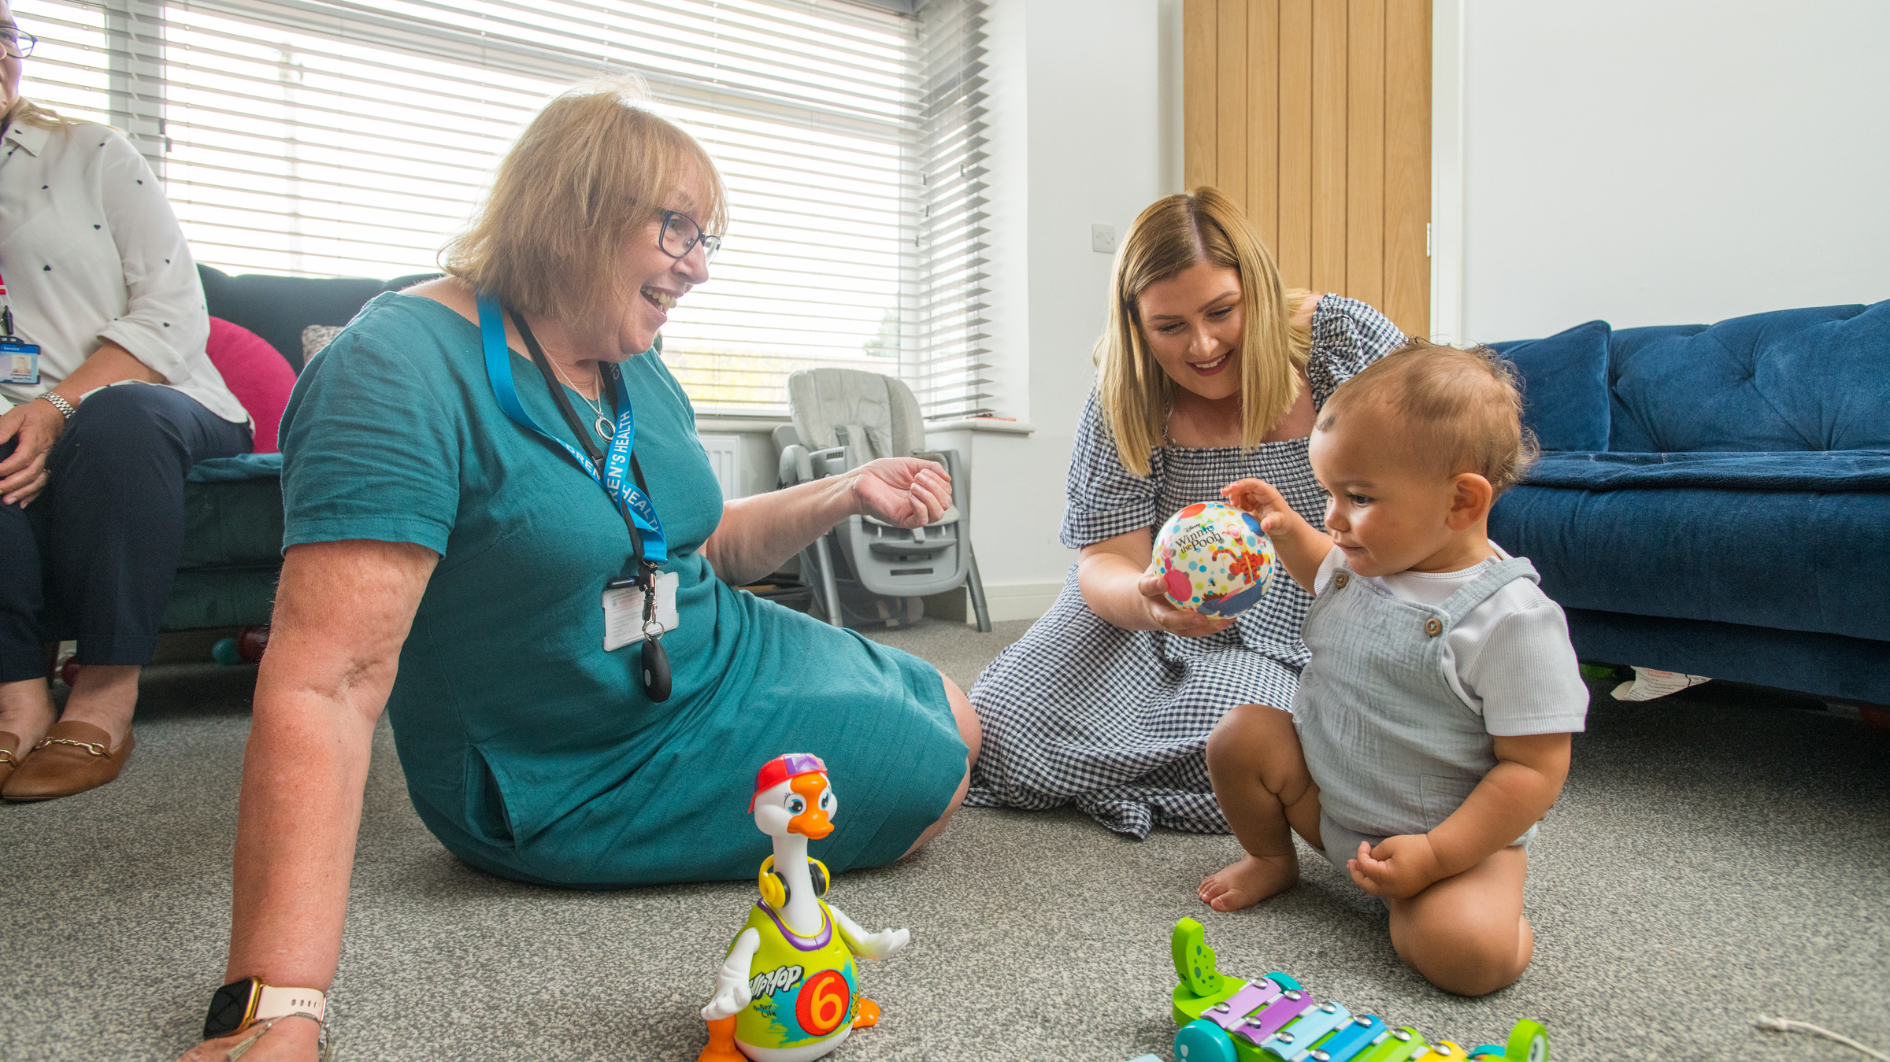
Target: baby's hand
point(1261, 499)
point(1399, 868)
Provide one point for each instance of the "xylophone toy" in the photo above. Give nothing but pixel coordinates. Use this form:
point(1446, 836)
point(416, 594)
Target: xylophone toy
point(1275, 1019)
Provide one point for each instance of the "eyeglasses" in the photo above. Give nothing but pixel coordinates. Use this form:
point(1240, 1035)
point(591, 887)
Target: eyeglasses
point(17, 43)
point(681, 234)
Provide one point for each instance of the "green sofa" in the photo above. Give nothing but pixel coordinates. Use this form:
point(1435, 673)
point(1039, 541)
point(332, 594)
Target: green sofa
point(233, 506)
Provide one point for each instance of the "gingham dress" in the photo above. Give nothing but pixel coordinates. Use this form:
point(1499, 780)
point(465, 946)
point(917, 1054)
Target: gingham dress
point(1081, 711)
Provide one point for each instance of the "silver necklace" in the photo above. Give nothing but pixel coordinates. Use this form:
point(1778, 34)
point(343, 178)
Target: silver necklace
point(604, 425)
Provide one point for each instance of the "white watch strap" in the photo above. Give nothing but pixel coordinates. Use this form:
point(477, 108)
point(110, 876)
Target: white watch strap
point(277, 1002)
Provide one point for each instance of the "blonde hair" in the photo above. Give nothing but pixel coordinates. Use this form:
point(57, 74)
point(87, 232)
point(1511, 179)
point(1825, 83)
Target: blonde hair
point(23, 111)
point(1463, 408)
point(591, 171)
point(1172, 235)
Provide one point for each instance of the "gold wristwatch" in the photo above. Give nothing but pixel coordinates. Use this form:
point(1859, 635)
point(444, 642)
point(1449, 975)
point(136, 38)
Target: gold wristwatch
point(241, 1004)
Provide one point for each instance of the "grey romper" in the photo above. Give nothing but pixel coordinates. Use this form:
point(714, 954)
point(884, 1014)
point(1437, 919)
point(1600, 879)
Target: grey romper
point(1392, 747)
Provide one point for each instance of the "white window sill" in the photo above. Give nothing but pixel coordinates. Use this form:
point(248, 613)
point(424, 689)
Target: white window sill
point(981, 424)
point(724, 424)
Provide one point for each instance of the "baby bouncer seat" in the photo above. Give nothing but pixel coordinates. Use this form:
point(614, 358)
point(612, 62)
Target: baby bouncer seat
point(844, 418)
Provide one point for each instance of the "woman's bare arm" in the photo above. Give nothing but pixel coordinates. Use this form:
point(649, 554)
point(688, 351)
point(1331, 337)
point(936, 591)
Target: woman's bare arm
point(1117, 585)
point(343, 610)
point(757, 533)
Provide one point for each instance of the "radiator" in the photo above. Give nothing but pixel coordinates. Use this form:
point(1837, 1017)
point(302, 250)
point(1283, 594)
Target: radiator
point(725, 457)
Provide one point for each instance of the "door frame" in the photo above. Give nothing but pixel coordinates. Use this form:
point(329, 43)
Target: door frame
point(1447, 170)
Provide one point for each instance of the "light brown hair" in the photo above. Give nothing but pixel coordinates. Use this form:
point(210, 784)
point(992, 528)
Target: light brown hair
point(594, 169)
point(23, 111)
point(1172, 235)
point(1463, 408)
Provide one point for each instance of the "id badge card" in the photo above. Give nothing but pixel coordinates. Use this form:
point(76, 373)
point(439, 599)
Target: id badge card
point(20, 362)
point(623, 611)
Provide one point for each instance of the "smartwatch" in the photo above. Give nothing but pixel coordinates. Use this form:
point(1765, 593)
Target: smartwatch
point(240, 1004)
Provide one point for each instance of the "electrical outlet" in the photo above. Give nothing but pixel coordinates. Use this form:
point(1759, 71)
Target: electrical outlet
point(1102, 239)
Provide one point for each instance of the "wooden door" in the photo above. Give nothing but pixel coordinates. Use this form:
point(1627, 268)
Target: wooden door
point(1315, 116)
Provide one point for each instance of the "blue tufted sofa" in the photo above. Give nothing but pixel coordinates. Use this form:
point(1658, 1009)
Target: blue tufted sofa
point(1716, 500)
point(232, 554)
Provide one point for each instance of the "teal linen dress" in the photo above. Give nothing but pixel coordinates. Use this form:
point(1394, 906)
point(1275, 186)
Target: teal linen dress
point(529, 751)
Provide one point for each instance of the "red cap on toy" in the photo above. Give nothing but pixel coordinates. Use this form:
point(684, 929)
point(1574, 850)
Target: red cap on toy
point(782, 768)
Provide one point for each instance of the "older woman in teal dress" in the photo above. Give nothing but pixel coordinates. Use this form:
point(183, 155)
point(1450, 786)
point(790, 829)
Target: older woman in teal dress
point(448, 564)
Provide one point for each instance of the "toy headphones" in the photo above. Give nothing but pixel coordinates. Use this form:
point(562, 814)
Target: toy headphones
point(775, 891)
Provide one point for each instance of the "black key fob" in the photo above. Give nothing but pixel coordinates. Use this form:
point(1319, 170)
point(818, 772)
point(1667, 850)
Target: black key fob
point(655, 670)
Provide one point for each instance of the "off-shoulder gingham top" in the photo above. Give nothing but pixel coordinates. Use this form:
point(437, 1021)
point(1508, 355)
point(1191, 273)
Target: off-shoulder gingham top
point(1116, 721)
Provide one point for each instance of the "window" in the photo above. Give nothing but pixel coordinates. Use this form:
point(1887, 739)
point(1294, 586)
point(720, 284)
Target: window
point(331, 137)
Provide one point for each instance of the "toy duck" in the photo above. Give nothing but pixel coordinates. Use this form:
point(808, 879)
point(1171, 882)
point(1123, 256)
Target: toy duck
point(787, 991)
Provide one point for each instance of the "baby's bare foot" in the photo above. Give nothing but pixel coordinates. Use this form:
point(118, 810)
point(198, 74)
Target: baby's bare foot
point(1249, 881)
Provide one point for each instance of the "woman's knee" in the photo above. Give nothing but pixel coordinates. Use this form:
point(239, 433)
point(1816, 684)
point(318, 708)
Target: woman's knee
point(121, 441)
point(132, 417)
point(967, 719)
point(951, 808)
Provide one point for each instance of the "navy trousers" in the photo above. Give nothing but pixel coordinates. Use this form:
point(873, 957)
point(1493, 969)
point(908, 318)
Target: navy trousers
point(94, 556)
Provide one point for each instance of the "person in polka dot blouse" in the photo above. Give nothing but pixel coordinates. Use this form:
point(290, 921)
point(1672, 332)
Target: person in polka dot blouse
point(99, 279)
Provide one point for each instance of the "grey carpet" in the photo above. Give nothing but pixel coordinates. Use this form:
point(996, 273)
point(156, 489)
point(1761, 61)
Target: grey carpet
point(1713, 857)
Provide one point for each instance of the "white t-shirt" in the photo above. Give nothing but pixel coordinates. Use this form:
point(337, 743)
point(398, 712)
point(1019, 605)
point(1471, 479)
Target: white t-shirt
point(91, 250)
point(1508, 659)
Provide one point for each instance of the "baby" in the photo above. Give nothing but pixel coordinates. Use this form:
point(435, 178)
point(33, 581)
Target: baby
point(1431, 729)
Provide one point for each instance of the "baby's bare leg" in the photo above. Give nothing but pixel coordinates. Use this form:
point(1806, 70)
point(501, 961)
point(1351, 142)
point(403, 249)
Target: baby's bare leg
point(1467, 934)
point(1261, 781)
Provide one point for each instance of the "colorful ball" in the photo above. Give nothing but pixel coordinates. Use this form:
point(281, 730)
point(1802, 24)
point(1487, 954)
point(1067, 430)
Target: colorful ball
point(1213, 558)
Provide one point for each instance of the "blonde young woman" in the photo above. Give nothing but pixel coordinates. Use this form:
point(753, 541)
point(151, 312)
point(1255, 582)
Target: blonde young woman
point(1209, 372)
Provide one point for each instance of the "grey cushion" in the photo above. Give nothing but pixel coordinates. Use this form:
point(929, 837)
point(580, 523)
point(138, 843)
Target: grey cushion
point(315, 337)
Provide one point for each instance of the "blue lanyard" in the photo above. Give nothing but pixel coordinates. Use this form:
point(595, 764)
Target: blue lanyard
point(615, 479)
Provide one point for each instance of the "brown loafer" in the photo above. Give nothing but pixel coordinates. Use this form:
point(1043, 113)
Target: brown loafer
point(72, 758)
point(9, 754)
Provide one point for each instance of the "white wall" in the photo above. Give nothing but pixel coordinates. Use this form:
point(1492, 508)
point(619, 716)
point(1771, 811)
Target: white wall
point(1671, 162)
point(1085, 102)
point(1648, 163)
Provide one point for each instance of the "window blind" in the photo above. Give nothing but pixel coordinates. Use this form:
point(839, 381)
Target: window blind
point(950, 375)
point(332, 137)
